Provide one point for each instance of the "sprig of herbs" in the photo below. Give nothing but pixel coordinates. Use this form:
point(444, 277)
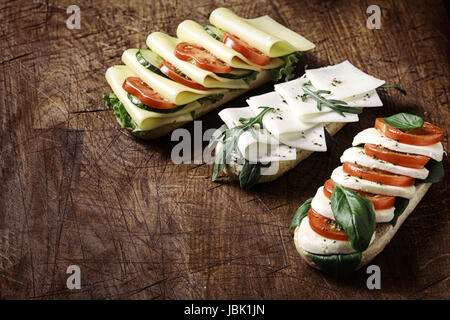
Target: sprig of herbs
point(336, 105)
point(229, 140)
point(403, 91)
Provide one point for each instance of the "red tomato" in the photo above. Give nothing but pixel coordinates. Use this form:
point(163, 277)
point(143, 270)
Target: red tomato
point(377, 175)
point(326, 227)
point(138, 88)
point(203, 58)
point(172, 72)
point(252, 54)
point(380, 202)
point(394, 157)
point(424, 136)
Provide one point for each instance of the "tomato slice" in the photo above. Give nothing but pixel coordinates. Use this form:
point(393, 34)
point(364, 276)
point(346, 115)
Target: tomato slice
point(424, 136)
point(203, 58)
point(138, 88)
point(326, 227)
point(252, 54)
point(394, 157)
point(380, 202)
point(173, 73)
point(376, 175)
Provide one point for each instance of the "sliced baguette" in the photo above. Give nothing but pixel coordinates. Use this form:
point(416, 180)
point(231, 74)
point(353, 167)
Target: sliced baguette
point(384, 232)
point(262, 78)
point(233, 169)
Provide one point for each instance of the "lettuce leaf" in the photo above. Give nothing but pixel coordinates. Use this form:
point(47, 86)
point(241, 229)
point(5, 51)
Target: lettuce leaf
point(286, 71)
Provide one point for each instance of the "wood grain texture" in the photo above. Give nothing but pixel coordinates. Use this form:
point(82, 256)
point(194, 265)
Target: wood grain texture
point(78, 190)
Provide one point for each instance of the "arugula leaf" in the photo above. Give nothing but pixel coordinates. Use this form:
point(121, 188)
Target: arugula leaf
point(250, 174)
point(355, 214)
point(301, 213)
point(286, 71)
point(436, 172)
point(405, 121)
point(337, 265)
point(400, 206)
point(336, 105)
point(403, 91)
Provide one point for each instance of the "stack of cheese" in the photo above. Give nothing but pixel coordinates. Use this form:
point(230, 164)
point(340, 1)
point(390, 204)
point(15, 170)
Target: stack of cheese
point(263, 33)
point(296, 123)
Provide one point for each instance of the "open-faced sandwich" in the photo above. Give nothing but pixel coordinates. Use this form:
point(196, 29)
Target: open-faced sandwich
point(355, 214)
point(179, 79)
point(279, 129)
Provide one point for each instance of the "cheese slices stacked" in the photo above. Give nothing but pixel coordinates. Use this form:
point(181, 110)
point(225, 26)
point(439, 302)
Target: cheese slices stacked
point(399, 183)
point(263, 34)
point(296, 123)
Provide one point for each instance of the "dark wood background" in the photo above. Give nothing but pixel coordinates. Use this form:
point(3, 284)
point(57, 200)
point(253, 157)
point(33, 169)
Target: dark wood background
point(75, 189)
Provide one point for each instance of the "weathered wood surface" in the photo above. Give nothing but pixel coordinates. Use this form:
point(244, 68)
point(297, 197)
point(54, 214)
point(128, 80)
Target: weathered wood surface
point(77, 190)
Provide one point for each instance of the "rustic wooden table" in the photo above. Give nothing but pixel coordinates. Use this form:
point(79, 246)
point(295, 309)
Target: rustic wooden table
point(77, 190)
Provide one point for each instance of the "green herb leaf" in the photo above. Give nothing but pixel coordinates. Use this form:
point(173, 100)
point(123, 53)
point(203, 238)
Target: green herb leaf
point(287, 70)
point(337, 265)
point(336, 105)
point(436, 172)
point(400, 206)
point(250, 174)
point(213, 98)
point(301, 213)
point(252, 76)
point(355, 214)
point(403, 91)
point(405, 121)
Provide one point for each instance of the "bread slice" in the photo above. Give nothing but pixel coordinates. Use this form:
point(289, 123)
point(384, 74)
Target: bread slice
point(233, 169)
point(263, 77)
point(384, 232)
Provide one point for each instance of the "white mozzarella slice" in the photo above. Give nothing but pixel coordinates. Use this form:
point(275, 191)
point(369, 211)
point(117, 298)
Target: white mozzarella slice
point(344, 80)
point(373, 136)
point(330, 117)
point(348, 181)
point(314, 243)
point(357, 155)
point(322, 205)
point(312, 139)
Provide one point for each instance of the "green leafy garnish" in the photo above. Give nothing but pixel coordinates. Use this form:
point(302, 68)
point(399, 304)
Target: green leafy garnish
point(436, 172)
point(211, 98)
point(403, 91)
point(301, 213)
point(405, 121)
point(400, 206)
point(287, 70)
point(355, 214)
point(337, 265)
point(336, 105)
point(228, 139)
point(252, 76)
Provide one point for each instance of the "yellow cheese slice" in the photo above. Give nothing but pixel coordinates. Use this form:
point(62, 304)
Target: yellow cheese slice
point(170, 90)
point(164, 45)
point(192, 32)
point(146, 120)
point(264, 33)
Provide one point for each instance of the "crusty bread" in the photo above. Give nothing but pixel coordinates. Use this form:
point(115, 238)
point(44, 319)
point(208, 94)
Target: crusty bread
point(262, 78)
point(233, 170)
point(384, 232)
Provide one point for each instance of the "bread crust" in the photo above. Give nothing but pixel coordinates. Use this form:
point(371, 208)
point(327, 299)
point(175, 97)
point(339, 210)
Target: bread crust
point(384, 232)
point(262, 78)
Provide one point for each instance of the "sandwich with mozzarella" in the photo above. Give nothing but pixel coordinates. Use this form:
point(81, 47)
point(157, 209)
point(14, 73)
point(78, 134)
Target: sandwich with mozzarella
point(277, 130)
point(178, 79)
point(356, 213)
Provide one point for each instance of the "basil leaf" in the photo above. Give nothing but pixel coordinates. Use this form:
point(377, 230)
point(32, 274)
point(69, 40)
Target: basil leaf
point(400, 206)
point(250, 174)
point(406, 121)
point(355, 214)
point(337, 265)
point(301, 212)
point(435, 172)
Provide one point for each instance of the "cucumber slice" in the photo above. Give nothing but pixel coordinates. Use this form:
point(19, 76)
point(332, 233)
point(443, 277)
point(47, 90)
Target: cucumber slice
point(139, 104)
point(150, 60)
point(214, 32)
point(236, 74)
